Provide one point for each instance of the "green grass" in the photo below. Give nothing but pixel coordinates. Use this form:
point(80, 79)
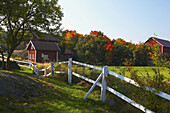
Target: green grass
point(64, 98)
point(142, 70)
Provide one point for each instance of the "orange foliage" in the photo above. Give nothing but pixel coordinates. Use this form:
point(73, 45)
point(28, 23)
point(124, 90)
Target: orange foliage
point(120, 41)
point(99, 34)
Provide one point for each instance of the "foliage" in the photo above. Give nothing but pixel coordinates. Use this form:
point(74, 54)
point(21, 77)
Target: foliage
point(21, 55)
point(156, 81)
point(96, 48)
point(142, 55)
point(19, 17)
point(90, 47)
point(68, 42)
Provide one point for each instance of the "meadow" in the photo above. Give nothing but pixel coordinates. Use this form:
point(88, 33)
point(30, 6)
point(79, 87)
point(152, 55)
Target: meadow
point(69, 98)
point(63, 97)
point(141, 70)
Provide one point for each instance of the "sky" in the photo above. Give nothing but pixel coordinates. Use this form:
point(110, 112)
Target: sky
point(132, 20)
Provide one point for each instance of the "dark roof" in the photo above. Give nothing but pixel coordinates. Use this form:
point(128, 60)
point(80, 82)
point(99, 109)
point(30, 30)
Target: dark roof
point(165, 43)
point(49, 38)
point(39, 45)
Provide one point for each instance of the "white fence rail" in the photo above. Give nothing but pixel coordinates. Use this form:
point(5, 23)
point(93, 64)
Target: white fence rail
point(132, 102)
point(142, 108)
point(103, 75)
point(161, 94)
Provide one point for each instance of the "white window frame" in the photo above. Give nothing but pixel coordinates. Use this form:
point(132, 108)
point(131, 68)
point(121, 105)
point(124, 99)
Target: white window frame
point(32, 56)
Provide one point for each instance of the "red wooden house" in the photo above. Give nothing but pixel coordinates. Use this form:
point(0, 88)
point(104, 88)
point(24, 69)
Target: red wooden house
point(164, 45)
point(43, 50)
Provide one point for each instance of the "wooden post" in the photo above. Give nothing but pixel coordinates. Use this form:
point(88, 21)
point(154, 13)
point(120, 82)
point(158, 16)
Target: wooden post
point(33, 69)
point(70, 71)
point(52, 72)
point(104, 83)
point(30, 65)
point(45, 71)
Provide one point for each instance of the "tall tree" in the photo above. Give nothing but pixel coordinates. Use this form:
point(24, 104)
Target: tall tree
point(17, 17)
point(90, 48)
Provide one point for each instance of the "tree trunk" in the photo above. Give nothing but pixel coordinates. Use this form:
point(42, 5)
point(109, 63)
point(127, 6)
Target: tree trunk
point(8, 59)
point(3, 66)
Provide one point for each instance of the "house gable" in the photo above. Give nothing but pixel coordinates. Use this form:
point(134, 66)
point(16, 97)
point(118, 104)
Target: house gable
point(164, 45)
point(43, 51)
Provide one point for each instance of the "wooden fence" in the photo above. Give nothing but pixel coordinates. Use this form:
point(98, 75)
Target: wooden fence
point(103, 85)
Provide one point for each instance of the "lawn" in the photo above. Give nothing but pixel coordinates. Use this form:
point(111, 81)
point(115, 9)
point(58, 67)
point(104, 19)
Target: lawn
point(63, 98)
point(142, 70)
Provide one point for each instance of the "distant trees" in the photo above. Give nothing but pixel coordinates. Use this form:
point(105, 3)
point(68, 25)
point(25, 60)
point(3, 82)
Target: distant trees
point(97, 48)
point(90, 47)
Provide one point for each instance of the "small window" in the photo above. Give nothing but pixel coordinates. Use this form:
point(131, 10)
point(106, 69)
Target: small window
point(32, 56)
point(32, 47)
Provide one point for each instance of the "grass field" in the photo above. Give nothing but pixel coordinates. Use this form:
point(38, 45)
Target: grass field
point(142, 70)
point(69, 98)
point(64, 98)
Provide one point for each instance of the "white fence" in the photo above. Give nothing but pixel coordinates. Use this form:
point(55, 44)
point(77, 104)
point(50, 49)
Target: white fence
point(37, 71)
point(103, 85)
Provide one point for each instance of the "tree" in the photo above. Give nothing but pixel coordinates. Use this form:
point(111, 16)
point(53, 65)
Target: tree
point(2, 47)
point(21, 17)
point(142, 55)
point(90, 48)
point(68, 42)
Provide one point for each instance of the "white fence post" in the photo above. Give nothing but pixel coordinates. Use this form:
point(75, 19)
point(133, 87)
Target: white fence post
point(45, 71)
point(70, 71)
point(104, 83)
point(33, 69)
point(37, 72)
point(30, 65)
point(52, 72)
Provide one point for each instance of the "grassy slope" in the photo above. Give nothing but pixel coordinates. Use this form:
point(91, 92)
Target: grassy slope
point(64, 98)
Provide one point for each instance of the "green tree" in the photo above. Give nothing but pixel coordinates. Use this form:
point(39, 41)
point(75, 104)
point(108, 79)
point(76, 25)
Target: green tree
point(90, 48)
point(17, 17)
point(142, 55)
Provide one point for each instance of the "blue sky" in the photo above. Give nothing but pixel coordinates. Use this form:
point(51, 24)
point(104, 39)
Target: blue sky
point(132, 20)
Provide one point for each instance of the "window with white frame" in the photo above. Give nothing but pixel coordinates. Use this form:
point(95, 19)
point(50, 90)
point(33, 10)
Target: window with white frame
point(32, 56)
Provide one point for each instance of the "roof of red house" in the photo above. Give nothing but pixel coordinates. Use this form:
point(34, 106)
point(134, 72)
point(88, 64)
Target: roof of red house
point(165, 43)
point(39, 45)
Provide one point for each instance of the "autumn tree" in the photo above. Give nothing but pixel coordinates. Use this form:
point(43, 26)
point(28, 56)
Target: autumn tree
point(68, 42)
point(142, 55)
point(19, 17)
point(90, 47)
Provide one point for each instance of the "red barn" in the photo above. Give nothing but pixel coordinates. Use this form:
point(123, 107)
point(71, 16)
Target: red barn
point(164, 45)
point(39, 51)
